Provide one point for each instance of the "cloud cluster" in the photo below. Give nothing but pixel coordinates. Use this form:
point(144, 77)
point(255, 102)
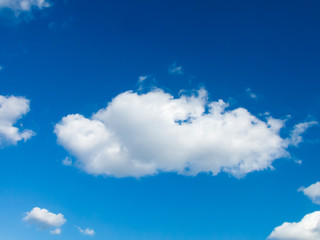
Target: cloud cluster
point(87, 231)
point(251, 94)
point(45, 219)
point(11, 109)
point(144, 134)
point(23, 5)
point(307, 229)
point(13, 11)
point(313, 192)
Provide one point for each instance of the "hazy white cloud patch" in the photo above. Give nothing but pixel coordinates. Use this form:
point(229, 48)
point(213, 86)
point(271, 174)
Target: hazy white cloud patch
point(175, 69)
point(251, 94)
point(312, 192)
point(11, 109)
point(16, 10)
point(24, 5)
point(67, 161)
point(300, 128)
point(142, 78)
point(87, 231)
point(44, 219)
point(307, 229)
point(56, 231)
point(145, 134)
point(1, 67)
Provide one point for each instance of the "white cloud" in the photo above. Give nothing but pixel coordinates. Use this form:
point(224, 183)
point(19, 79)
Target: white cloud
point(45, 219)
point(251, 94)
point(67, 161)
point(23, 5)
point(142, 78)
point(144, 134)
point(56, 231)
point(17, 10)
point(175, 69)
point(307, 229)
point(1, 68)
point(87, 231)
point(313, 192)
point(11, 109)
point(300, 128)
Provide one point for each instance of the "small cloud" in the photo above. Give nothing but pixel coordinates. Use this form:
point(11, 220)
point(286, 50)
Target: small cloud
point(146, 82)
point(1, 67)
point(251, 94)
point(175, 69)
point(13, 108)
point(142, 78)
point(67, 161)
point(87, 231)
point(56, 231)
point(298, 162)
point(44, 219)
point(312, 192)
point(298, 129)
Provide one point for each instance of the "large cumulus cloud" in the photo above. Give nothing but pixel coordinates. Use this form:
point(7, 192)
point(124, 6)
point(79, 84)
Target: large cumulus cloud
point(144, 134)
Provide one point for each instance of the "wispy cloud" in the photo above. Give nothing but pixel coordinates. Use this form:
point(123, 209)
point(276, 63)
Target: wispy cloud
point(23, 5)
point(21, 9)
point(142, 78)
point(175, 69)
point(300, 128)
point(87, 231)
point(251, 94)
point(67, 161)
point(56, 231)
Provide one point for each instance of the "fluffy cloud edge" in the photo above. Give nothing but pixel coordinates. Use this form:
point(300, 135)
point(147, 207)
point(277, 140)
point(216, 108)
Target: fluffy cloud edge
point(312, 192)
point(12, 109)
point(307, 229)
point(109, 143)
point(44, 219)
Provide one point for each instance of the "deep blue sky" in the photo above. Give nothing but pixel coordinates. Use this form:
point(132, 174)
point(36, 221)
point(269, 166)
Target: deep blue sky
point(95, 50)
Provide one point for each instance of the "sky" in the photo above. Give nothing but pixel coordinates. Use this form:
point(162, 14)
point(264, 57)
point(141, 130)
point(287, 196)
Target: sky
point(139, 120)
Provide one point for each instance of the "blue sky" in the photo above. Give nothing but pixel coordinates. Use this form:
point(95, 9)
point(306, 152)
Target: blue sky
point(156, 163)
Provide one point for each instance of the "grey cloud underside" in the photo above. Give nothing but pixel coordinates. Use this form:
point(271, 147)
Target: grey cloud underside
point(144, 134)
